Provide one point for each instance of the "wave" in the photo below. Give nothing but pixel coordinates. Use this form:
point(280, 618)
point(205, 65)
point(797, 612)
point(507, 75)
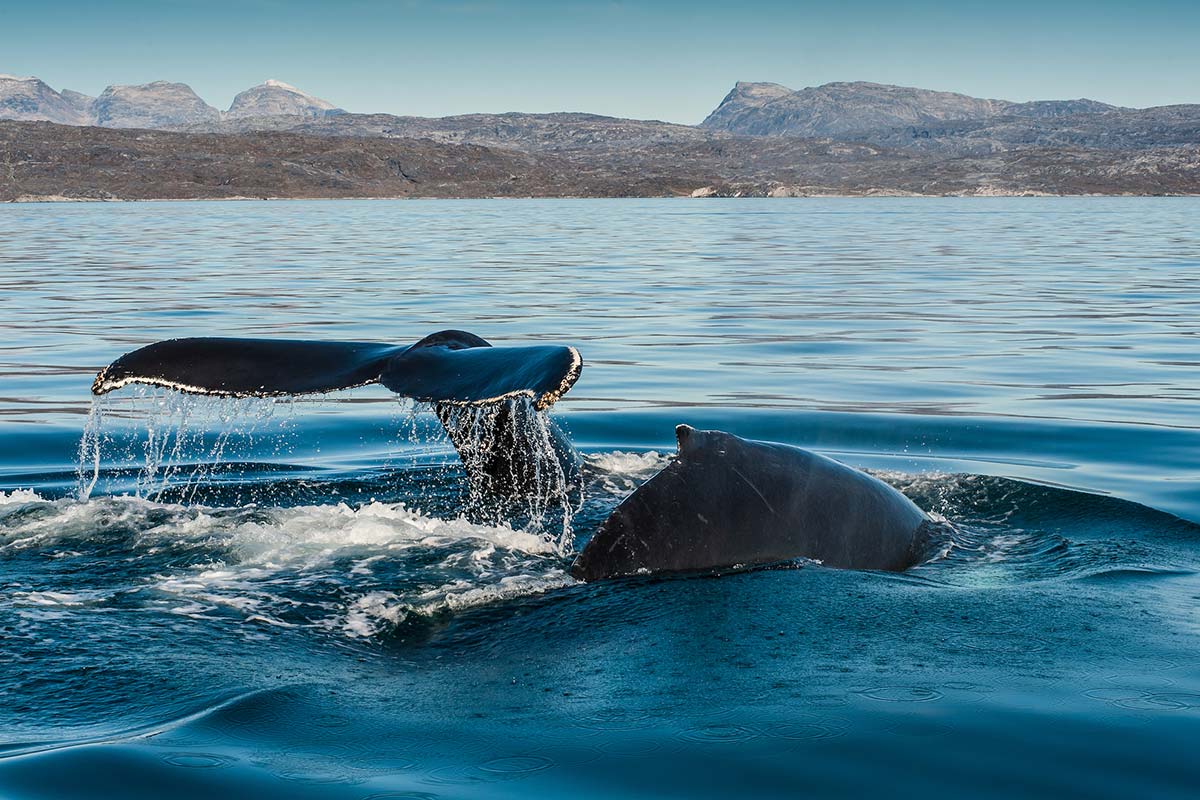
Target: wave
point(1003, 532)
point(367, 567)
point(351, 569)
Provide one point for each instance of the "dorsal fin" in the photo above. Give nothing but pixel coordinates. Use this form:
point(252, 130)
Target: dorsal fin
point(683, 438)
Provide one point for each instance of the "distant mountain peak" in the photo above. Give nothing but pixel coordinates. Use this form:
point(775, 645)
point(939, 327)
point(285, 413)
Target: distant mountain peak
point(752, 86)
point(273, 98)
point(745, 94)
point(158, 104)
point(832, 109)
point(30, 99)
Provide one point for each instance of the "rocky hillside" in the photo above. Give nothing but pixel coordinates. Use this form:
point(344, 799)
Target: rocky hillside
point(742, 98)
point(1044, 125)
point(41, 160)
point(1117, 129)
point(1059, 108)
point(945, 123)
point(534, 133)
point(887, 116)
point(840, 108)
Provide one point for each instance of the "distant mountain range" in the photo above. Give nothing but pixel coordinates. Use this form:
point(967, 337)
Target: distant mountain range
point(157, 105)
point(763, 138)
point(920, 119)
point(838, 109)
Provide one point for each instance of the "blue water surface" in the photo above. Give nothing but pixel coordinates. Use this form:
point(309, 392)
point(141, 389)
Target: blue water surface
point(297, 599)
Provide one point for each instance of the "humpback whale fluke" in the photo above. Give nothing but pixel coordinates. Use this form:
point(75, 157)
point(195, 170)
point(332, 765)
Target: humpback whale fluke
point(445, 367)
point(726, 501)
point(448, 369)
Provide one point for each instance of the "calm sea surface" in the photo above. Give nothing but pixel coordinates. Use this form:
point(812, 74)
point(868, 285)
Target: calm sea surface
point(294, 599)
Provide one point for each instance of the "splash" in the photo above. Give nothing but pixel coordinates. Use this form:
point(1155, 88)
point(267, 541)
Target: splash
point(88, 472)
point(171, 441)
point(19, 496)
point(518, 464)
point(620, 472)
point(161, 444)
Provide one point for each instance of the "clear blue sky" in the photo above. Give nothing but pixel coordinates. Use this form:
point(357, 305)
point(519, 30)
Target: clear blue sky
point(672, 59)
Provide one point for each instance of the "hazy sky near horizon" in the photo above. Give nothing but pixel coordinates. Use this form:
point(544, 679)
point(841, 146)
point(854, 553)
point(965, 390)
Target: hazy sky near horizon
point(670, 59)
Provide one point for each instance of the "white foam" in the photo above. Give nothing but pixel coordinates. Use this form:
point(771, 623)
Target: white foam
point(20, 496)
point(622, 463)
point(257, 563)
point(65, 520)
point(67, 599)
point(376, 611)
point(621, 472)
point(308, 531)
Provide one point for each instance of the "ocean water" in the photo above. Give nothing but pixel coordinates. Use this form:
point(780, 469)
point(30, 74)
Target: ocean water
point(296, 599)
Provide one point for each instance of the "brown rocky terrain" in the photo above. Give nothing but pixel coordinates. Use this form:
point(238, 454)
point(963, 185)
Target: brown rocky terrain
point(1118, 129)
point(45, 160)
point(40, 160)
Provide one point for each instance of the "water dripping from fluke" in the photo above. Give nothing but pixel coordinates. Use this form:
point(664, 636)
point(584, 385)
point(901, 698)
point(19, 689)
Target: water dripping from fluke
point(521, 468)
point(167, 446)
point(88, 471)
point(158, 444)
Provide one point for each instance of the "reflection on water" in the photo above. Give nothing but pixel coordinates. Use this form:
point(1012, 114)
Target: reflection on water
point(305, 599)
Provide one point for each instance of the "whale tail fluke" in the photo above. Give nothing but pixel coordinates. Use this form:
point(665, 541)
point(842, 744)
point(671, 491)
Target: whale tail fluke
point(448, 367)
point(452, 370)
point(477, 375)
point(247, 367)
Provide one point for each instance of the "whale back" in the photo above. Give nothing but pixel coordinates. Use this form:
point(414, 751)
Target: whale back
point(726, 502)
